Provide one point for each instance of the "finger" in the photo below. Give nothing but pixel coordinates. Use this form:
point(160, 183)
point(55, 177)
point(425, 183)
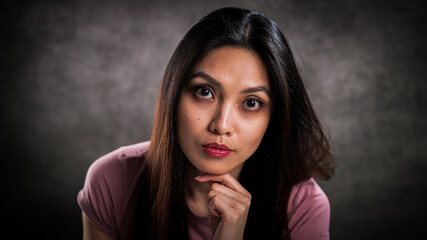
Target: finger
point(229, 213)
point(212, 194)
point(213, 210)
point(240, 204)
point(228, 192)
point(219, 206)
point(227, 180)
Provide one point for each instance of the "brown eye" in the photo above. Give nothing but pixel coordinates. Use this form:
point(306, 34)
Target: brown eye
point(252, 104)
point(204, 92)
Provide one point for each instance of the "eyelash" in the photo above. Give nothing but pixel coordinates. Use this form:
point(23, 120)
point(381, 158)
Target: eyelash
point(206, 87)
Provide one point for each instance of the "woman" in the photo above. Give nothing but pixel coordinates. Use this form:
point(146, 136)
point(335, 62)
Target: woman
point(234, 148)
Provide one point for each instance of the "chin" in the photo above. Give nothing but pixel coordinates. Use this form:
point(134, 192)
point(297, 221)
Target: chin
point(213, 170)
point(216, 172)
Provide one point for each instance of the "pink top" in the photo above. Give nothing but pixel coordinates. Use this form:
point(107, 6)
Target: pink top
point(109, 199)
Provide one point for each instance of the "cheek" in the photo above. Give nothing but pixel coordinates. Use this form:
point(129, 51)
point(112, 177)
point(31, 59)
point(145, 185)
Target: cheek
point(255, 136)
point(256, 127)
point(190, 119)
point(254, 132)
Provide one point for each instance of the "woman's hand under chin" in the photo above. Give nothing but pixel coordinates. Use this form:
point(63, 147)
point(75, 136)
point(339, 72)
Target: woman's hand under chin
point(228, 205)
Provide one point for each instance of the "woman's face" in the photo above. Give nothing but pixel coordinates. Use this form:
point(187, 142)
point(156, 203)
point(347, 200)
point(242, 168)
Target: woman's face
point(224, 110)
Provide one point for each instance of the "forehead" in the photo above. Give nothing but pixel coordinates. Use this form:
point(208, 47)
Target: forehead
point(235, 66)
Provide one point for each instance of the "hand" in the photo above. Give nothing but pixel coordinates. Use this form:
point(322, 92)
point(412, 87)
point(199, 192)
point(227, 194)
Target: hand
point(229, 206)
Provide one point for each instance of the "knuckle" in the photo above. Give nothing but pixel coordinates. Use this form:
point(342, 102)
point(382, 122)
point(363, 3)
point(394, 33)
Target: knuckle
point(212, 203)
point(215, 186)
point(215, 199)
point(240, 207)
point(247, 201)
point(211, 194)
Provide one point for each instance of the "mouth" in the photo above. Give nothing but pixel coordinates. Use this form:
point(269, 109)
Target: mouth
point(217, 150)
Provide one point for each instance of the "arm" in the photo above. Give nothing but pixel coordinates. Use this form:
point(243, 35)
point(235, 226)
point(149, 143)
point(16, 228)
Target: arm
point(309, 213)
point(92, 233)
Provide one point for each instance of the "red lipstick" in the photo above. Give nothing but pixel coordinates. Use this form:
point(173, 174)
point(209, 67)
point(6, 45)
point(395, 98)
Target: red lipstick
point(217, 150)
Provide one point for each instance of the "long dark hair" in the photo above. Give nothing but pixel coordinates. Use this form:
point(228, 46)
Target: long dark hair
point(294, 148)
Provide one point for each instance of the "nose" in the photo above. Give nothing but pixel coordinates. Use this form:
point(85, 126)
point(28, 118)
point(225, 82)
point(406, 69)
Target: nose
point(222, 121)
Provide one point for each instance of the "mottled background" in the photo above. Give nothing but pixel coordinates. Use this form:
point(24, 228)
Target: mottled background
point(80, 78)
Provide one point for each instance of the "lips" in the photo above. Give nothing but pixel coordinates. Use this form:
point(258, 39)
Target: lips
point(217, 150)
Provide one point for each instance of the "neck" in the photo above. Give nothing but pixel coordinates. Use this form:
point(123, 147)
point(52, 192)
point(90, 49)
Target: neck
point(196, 192)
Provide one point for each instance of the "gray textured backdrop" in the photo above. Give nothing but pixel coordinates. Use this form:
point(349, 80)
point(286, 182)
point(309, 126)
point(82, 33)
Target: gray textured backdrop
point(80, 78)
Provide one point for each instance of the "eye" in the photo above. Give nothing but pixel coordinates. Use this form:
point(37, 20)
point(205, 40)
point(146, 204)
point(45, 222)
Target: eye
point(253, 104)
point(204, 92)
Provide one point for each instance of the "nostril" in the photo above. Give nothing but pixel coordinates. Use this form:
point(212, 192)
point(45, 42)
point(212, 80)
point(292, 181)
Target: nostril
point(217, 131)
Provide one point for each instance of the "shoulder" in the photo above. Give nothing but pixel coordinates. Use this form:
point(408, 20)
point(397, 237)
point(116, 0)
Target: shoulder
point(309, 212)
point(117, 166)
point(116, 163)
point(110, 183)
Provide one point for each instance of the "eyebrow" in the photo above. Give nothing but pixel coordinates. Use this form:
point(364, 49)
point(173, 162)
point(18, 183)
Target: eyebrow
point(257, 89)
point(214, 82)
point(208, 78)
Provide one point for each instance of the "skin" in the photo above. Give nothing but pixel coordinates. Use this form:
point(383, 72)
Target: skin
point(92, 233)
point(226, 101)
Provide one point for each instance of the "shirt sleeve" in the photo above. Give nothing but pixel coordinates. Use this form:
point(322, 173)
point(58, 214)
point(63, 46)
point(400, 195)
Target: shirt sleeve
point(99, 198)
point(309, 212)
